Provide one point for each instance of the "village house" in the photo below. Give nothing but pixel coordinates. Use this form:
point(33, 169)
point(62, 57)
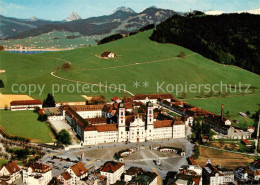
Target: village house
point(37, 174)
point(112, 170)
point(25, 105)
point(53, 113)
point(215, 176)
point(108, 54)
point(9, 173)
point(74, 174)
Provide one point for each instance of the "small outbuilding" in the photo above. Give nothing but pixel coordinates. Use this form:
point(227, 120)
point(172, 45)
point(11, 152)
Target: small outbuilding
point(246, 142)
point(108, 54)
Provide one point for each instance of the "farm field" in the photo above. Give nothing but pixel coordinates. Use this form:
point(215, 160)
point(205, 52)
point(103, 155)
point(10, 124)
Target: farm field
point(225, 159)
point(137, 59)
point(25, 124)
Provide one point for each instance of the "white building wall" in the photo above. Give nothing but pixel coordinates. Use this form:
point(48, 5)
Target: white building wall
point(162, 133)
point(113, 177)
point(90, 114)
point(178, 131)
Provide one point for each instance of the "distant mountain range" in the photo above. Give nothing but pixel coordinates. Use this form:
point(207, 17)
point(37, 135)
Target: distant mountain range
point(122, 20)
point(218, 12)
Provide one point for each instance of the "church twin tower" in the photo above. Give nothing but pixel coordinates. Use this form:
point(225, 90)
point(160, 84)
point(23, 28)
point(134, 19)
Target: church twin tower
point(139, 131)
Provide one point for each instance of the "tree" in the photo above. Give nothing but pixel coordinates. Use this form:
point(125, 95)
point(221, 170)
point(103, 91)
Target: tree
point(202, 94)
point(49, 102)
point(2, 48)
point(42, 117)
point(66, 66)
point(232, 146)
point(64, 137)
point(210, 94)
point(221, 143)
point(227, 114)
point(2, 85)
point(184, 95)
point(181, 54)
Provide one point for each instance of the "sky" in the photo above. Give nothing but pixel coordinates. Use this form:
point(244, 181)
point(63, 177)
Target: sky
point(60, 9)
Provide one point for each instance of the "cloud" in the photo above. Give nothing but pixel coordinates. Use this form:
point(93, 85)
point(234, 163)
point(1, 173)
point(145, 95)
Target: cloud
point(8, 6)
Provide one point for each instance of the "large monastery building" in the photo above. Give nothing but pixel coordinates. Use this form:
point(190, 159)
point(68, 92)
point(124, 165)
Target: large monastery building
point(133, 120)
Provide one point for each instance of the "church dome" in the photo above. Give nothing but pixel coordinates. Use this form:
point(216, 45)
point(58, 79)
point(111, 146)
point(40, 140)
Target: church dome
point(121, 105)
point(149, 104)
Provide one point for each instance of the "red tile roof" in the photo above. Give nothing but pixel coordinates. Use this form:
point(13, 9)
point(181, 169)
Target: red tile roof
point(40, 167)
point(115, 98)
point(162, 123)
point(152, 96)
point(66, 175)
point(111, 166)
point(178, 122)
point(102, 128)
point(87, 107)
point(247, 142)
point(12, 167)
point(79, 169)
point(96, 120)
point(26, 102)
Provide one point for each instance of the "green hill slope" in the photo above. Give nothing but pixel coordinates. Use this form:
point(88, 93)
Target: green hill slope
point(138, 59)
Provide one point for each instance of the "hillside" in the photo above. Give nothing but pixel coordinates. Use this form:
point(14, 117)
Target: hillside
point(138, 59)
point(231, 39)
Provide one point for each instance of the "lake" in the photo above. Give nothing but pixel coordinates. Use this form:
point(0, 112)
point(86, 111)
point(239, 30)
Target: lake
point(28, 51)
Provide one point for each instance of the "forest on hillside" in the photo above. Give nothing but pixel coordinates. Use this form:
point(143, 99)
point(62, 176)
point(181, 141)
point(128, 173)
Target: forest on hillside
point(232, 39)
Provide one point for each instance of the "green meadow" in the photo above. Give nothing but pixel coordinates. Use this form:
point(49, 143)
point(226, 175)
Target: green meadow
point(25, 124)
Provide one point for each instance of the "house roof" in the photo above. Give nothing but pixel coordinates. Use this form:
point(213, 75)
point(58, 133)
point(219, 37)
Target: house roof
point(162, 123)
point(12, 167)
point(87, 107)
point(211, 170)
point(152, 96)
point(66, 175)
point(134, 171)
point(106, 53)
point(247, 142)
point(26, 102)
point(40, 167)
point(115, 98)
point(178, 122)
point(102, 128)
point(79, 169)
point(96, 120)
point(111, 166)
point(256, 164)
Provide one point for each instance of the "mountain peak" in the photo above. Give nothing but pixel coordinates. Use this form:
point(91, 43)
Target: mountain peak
point(73, 16)
point(33, 18)
point(125, 9)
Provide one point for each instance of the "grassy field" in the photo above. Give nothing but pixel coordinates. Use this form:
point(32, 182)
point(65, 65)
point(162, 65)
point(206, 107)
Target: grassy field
point(225, 159)
point(25, 124)
point(138, 59)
